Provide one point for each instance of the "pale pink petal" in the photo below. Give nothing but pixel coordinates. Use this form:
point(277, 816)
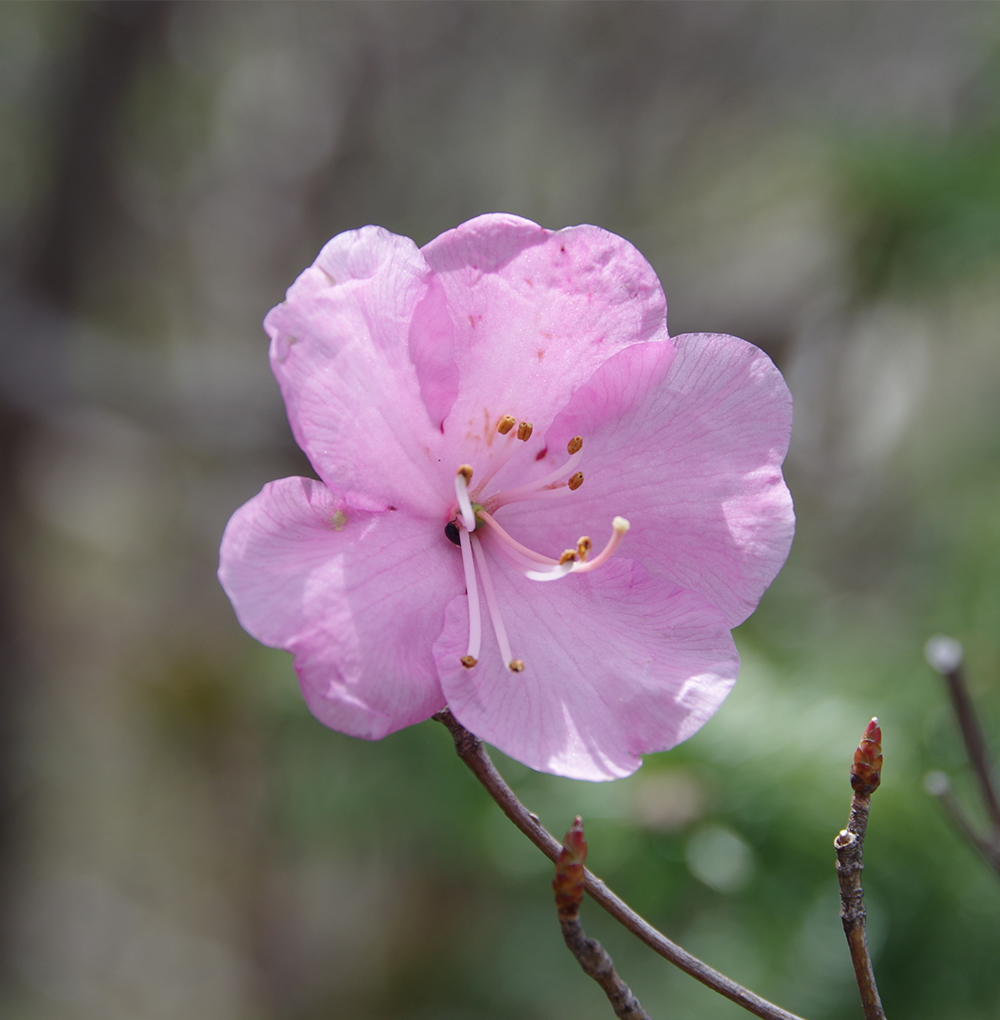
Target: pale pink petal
point(691, 456)
point(341, 351)
point(355, 596)
point(617, 665)
point(534, 313)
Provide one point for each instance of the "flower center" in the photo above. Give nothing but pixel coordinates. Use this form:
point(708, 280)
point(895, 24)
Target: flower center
point(473, 522)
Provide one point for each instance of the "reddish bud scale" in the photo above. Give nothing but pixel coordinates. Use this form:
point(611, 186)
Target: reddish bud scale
point(568, 883)
point(867, 768)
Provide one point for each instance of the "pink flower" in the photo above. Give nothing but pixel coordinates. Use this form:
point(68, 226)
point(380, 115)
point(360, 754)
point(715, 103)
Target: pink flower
point(427, 566)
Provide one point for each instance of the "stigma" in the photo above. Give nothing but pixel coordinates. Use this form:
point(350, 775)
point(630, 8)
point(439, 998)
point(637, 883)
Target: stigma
point(474, 528)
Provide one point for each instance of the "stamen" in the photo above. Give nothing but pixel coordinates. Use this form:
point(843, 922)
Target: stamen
point(494, 607)
point(619, 527)
point(524, 431)
point(498, 462)
point(550, 493)
point(472, 590)
point(524, 491)
point(506, 423)
point(575, 481)
point(462, 478)
point(567, 557)
point(575, 445)
point(522, 564)
point(583, 547)
point(512, 542)
point(516, 666)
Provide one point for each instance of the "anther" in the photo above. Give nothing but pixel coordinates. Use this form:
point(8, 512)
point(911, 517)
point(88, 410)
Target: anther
point(575, 445)
point(516, 666)
point(575, 481)
point(465, 470)
point(524, 431)
point(468, 661)
point(567, 557)
point(583, 546)
point(506, 423)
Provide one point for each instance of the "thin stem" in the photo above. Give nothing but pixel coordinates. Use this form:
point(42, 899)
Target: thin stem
point(596, 963)
point(849, 844)
point(470, 750)
point(590, 954)
point(938, 785)
point(975, 744)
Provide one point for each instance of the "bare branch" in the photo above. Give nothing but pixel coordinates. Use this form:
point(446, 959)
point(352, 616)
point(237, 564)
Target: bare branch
point(471, 751)
point(865, 777)
point(590, 954)
point(944, 655)
point(938, 785)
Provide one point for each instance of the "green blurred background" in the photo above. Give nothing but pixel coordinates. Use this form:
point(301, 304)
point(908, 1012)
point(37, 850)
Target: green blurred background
point(178, 838)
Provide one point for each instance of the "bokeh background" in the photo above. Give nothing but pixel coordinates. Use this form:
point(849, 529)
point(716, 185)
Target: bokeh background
point(178, 837)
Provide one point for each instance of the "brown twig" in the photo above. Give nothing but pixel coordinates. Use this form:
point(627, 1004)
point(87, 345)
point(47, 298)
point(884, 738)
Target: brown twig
point(938, 785)
point(944, 655)
point(470, 750)
point(865, 777)
point(590, 954)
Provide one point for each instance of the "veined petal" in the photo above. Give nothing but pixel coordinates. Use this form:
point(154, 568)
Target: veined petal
point(535, 312)
point(338, 587)
point(691, 455)
point(617, 665)
point(351, 378)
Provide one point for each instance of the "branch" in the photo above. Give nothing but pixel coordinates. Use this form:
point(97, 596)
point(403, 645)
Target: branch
point(865, 777)
point(470, 750)
point(590, 954)
point(938, 785)
point(944, 655)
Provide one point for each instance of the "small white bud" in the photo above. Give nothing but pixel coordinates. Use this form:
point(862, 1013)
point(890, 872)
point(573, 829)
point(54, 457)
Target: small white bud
point(943, 654)
point(937, 784)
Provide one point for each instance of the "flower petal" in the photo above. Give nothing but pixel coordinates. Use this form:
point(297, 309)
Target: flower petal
point(341, 351)
point(535, 312)
point(617, 665)
point(352, 594)
point(691, 455)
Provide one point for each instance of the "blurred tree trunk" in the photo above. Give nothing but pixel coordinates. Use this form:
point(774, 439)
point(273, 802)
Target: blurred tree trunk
point(56, 241)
